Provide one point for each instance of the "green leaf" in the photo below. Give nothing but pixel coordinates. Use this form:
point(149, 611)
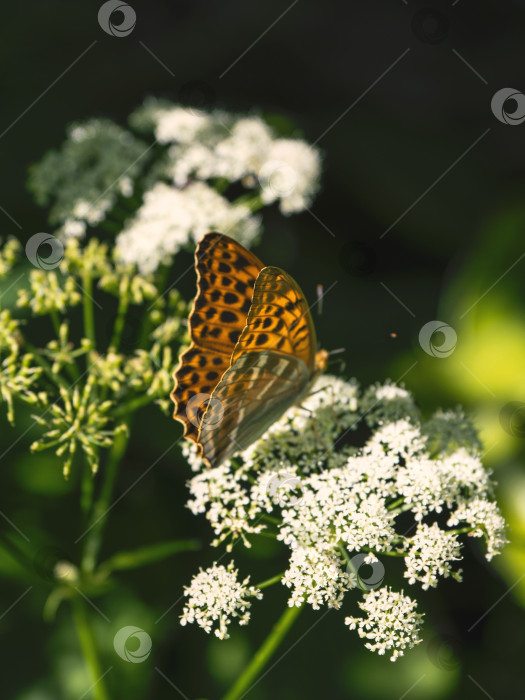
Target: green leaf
point(149, 554)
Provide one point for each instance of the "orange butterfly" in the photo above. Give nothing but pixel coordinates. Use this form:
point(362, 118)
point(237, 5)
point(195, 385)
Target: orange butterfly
point(253, 351)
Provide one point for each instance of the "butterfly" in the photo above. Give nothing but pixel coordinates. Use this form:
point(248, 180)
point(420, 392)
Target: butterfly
point(253, 350)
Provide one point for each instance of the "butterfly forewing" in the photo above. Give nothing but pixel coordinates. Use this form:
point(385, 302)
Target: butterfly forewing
point(226, 274)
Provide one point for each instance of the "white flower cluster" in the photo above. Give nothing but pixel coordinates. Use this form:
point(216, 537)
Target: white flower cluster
point(206, 152)
point(217, 145)
point(391, 623)
point(429, 555)
point(171, 219)
point(332, 502)
point(215, 597)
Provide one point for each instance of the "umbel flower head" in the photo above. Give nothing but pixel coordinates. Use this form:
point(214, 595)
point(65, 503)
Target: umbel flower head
point(335, 506)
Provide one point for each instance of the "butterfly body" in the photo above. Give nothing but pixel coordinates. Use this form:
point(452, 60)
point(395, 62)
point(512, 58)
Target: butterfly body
point(252, 354)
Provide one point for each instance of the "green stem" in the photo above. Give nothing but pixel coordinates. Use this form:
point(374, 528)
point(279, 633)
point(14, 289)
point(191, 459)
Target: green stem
point(263, 655)
point(46, 366)
point(396, 504)
point(133, 405)
point(55, 319)
point(122, 310)
point(17, 552)
point(89, 315)
point(89, 649)
point(269, 582)
point(100, 510)
point(86, 495)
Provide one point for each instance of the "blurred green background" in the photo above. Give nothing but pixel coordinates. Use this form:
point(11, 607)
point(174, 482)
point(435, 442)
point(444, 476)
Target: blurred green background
point(456, 255)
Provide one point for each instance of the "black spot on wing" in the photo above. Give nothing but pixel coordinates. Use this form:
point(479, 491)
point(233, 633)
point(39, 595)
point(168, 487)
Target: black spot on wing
point(230, 298)
point(228, 317)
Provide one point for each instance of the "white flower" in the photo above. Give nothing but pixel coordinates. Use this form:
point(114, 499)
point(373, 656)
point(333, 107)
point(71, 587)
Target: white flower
point(448, 430)
point(180, 124)
point(245, 150)
point(215, 145)
point(392, 623)
point(170, 219)
point(197, 160)
point(429, 555)
point(92, 212)
point(317, 577)
point(221, 494)
point(400, 437)
point(125, 185)
point(73, 228)
point(78, 133)
point(290, 173)
point(387, 402)
point(216, 597)
point(430, 484)
point(486, 518)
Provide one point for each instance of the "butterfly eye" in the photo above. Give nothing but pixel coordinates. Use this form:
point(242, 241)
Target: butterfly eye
point(204, 411)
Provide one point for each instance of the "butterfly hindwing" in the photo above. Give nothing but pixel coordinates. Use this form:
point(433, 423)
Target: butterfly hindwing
point(226, 274)
point(252, 394)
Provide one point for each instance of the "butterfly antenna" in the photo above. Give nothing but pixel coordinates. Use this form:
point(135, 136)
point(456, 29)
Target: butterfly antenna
point(340, 362)
point(320, 292)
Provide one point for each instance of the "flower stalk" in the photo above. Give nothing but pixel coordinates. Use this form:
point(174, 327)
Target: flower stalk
point(262, 657)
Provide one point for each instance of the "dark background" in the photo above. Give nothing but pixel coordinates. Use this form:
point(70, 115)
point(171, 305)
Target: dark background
point(397, 139)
